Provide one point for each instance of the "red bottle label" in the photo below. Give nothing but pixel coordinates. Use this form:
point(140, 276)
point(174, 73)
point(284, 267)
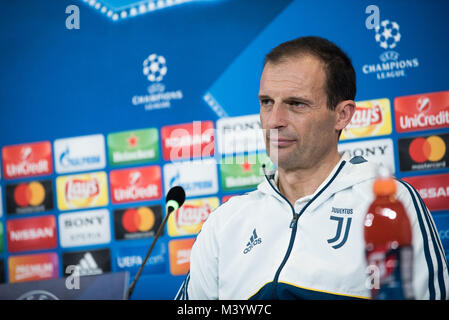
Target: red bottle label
point(390, 273)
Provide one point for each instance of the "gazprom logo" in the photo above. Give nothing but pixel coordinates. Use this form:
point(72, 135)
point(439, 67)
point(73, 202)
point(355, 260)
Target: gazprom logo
point(80, 153)
point(197, 177)
point(66, 161)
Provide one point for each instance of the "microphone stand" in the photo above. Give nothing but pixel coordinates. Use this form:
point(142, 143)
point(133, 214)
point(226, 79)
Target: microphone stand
point(170, 209)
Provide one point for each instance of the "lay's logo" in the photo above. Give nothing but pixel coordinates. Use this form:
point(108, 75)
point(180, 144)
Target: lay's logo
point(366, 117)
point(190, 217)
point(82, 191)
point(79, 189)
point(371, 118)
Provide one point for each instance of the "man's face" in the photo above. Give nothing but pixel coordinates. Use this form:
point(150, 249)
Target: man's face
point(299, 129)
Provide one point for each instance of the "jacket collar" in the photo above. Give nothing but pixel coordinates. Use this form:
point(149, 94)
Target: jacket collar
point(347, 176)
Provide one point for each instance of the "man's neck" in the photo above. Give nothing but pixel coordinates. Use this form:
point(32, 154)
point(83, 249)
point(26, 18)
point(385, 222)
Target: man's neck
point(296, 184)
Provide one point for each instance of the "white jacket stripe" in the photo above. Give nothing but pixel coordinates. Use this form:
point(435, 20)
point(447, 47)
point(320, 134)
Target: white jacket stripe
point(433, 254)
point(438, 248)
point(182, 292)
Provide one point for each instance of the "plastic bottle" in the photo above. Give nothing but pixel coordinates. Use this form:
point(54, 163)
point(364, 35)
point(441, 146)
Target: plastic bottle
point(388, 243)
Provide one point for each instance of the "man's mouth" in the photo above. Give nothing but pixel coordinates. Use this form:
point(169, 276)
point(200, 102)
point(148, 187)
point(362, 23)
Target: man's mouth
point(281, 142)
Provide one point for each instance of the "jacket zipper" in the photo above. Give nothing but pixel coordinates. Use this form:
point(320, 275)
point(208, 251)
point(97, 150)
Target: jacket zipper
point(294, 224)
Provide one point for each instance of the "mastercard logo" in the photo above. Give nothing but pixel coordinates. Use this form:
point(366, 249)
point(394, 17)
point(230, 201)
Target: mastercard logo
point(431, 149)
point(29, 194)
point(141, 219)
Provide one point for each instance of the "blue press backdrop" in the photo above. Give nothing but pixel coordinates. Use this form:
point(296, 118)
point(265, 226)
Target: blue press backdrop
point(58, 83)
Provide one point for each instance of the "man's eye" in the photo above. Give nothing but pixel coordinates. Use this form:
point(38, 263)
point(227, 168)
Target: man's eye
point(265, 102)
point(296, 103)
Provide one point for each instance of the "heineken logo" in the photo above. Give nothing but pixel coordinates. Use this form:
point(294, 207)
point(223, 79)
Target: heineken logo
point(244, 171)
point(137, 146)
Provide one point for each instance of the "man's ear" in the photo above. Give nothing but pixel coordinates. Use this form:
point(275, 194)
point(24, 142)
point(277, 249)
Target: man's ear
point(344, 112)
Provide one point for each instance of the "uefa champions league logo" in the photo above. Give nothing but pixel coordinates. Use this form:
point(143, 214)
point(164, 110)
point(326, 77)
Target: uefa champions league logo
point(387, 34)
point(154, 68)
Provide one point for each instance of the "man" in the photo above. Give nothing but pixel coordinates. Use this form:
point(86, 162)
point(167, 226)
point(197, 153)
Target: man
point(300, 234)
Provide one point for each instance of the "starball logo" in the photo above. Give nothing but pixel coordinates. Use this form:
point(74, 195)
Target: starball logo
point(388, 36)
point(155, 68)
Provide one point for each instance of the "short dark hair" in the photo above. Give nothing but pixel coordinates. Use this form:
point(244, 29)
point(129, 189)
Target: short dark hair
point(340, 75)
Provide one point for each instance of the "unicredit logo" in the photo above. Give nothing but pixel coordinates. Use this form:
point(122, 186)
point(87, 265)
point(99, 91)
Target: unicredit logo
point(27, 160)
point(27, 169)
point(431, 149)
point(134, 193)
point(423, 104)
point(134, 177)
point(422, 121)
point(135, 184)
point(188, 140)
point(419, 112)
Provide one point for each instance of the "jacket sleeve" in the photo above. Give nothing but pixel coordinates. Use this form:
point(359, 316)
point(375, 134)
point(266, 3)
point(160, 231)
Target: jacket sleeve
point(430, 271)
point(201, 282)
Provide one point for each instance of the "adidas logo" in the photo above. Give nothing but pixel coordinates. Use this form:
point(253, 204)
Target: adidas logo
point(87, 266)
point(254, 240)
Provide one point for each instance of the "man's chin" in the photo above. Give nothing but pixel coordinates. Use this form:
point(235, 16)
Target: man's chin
point(280, 161)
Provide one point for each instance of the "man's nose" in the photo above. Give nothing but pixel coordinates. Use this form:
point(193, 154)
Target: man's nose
point(277, 117)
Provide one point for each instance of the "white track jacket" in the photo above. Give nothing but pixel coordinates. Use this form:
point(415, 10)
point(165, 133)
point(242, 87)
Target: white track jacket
point(257, 246)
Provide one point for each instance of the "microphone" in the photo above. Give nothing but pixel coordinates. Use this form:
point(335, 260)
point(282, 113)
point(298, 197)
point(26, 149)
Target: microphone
point(173, 201)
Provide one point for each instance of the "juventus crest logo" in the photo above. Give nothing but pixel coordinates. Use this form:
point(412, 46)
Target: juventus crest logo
point(341, 236)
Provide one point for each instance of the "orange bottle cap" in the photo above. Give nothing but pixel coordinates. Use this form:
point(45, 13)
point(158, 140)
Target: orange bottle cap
point(384, 187)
